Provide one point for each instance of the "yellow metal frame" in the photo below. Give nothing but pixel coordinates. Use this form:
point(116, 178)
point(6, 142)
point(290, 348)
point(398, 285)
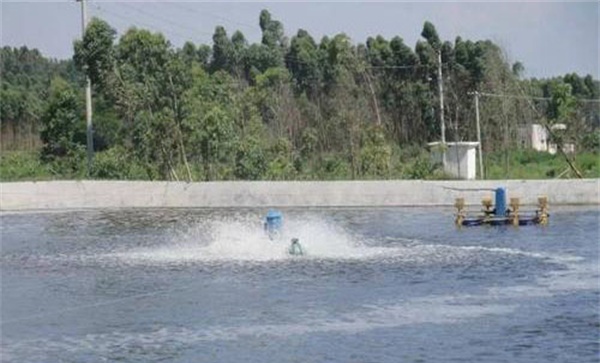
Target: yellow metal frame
point(459, 204)
point(513, 215)
point(543, 211)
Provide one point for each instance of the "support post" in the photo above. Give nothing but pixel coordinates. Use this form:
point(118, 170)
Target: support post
point(88, 98)
point(479, 148)
point(441, 97)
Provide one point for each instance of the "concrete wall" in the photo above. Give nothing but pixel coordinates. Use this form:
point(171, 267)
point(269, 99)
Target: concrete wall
point(116, 194)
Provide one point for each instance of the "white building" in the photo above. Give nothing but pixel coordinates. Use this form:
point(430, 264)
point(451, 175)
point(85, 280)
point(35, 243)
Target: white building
point(461, 161)
point(535, 136)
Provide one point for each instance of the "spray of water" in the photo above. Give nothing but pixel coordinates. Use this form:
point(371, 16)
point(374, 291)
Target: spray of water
point(243, 239)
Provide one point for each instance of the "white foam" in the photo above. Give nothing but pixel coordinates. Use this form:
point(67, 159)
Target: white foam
point(242, 239)
point(245, 240)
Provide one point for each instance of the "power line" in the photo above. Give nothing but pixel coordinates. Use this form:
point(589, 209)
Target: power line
point(129, 22)
point(204, 12)
point(160, 18)
point(531, 97)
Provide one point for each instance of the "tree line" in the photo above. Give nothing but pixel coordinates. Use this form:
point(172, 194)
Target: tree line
point(284, 108)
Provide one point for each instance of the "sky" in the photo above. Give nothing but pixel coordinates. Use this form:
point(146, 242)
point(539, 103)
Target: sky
point(549, 38)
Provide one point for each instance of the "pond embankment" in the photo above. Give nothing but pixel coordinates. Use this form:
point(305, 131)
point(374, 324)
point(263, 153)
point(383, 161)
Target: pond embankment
point(52, 195)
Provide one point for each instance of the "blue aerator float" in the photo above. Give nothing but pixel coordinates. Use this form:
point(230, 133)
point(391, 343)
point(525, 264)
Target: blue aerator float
point(500, 214)
point(273, 225)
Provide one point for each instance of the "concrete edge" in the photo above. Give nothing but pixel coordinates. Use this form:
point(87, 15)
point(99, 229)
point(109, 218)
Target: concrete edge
point(89, 194)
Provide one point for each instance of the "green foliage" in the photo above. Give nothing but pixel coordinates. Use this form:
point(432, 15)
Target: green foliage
point(281, 166)
point(562, 105)
point(431, 35)
point(217, 134)
point(26, 77)
point(117, 163)
point(589, 164)
point(303, 61)
point(222, 51)
point(272, 78)
point(421, 168)
point(94, 54)
point(375, 154)
point(591, 142)
point(250, 159)
point(279, 109)
point(333, 167)
point(214, 139)
point(309, 142)
point(23, 165)
point(531, 164)
point(272, 31)
point(73, 165)
point(62, 122)
point(145, 52)
point(109, 130)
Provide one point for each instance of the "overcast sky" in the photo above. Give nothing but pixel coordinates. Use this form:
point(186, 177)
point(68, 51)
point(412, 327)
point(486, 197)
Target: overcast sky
point(549, 38)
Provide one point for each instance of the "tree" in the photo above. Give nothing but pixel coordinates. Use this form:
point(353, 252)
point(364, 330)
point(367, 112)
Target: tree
point(216, 138)
point(62, 122)
point(189, 53)
point(375, 153)
point(518, 69)
point(94, 54)
point(303, 62)
point(238, 54)
point(222, 50)
point(431, 35)
point(204, 53)
point(562, 103)
point(269, 109)
point(273, 36)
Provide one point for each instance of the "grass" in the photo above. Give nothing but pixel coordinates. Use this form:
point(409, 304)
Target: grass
point(530, 164)
point(406, 164)
point(23, 165)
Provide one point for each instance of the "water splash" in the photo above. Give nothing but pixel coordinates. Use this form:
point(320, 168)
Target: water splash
point(240, 238)
point(243, 239)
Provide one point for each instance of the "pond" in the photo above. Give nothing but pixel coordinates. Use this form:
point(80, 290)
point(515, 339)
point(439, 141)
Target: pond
point(375, 285)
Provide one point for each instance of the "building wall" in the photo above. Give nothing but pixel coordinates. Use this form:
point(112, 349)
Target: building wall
point(461, 162)
point(539, 137)
point(535, 136)
point(461, 158)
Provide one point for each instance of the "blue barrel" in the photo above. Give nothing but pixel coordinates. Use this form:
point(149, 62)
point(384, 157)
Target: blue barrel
point(500, 210)
point(273, 220)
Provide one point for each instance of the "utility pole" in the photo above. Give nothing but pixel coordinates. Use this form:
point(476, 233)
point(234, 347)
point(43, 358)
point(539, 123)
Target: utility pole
point(441, 97)
point(481, 175)
point(88, 97)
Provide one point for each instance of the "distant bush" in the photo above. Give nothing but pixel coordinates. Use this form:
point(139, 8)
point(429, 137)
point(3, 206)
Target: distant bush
point(72, 165)
point(591, 142)
point(116, 163)
point(23, 165)
point(421, 168)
